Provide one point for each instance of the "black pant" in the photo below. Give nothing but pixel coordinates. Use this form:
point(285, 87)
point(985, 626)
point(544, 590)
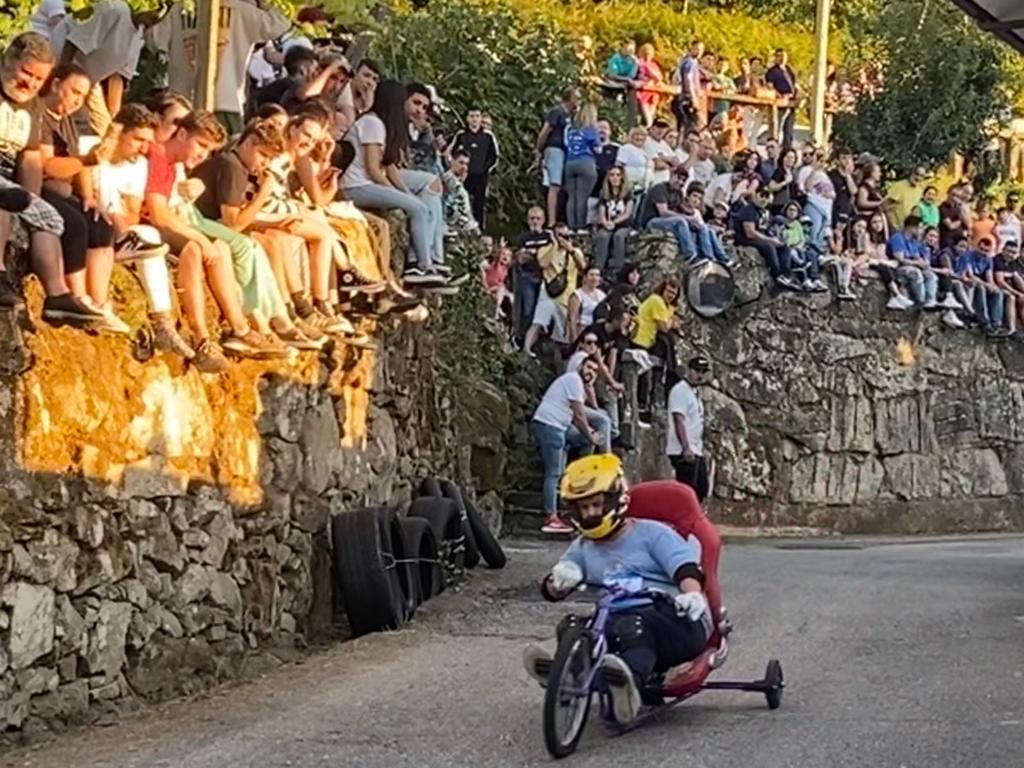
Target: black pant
point(686, 116)
point(82, 230)
point(692, 473)
point(776, 259)
point(945, 287)
point(476, 186)
point(664, 347)
point(653, 639)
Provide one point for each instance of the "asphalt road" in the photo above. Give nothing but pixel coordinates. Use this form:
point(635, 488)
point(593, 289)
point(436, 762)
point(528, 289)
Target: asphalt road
point(897, 654)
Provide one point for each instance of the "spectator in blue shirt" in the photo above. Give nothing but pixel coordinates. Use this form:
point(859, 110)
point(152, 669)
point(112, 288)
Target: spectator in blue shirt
point(915, 269)
point(980, 291)
point(782, 78)
point(623, 65)
point(943, 261)
point(687, 105)
point(582, 144)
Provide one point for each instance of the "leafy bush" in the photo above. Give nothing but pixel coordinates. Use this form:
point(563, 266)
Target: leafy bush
point(483, 54)
point(944, 82)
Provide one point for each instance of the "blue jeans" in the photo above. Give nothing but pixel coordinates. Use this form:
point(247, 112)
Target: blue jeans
point(526, 295)
point(418, 182)
point(989, 304)
point(601, 423)
point(922, 284)
point(553, 442)
point(378, 196)
point(819, 223)
point(709, 245)
point(679, 227)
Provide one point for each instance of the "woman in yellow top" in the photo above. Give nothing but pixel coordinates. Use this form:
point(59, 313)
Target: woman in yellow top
point(655, 321)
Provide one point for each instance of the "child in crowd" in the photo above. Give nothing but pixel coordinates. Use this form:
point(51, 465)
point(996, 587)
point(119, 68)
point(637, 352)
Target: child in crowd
point(495, 279)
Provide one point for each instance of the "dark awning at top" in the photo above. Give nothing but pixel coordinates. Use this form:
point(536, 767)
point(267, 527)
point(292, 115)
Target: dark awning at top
point(1003, 18)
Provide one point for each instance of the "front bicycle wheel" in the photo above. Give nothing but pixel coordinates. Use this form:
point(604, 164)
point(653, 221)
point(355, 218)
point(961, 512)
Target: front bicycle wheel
point(567, 696)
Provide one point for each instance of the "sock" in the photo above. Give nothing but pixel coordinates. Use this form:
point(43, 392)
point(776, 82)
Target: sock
point(303, 307)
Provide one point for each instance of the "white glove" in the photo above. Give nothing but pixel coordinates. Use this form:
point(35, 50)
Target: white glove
point(566, 575)
point(693, 605)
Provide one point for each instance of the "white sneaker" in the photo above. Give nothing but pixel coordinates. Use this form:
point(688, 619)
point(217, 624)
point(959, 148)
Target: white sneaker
point(898, 303)
point(538, 663)
point(951, 320)
point(622, 686)
point(950, 302)
point(110, 322)
point(931, 304)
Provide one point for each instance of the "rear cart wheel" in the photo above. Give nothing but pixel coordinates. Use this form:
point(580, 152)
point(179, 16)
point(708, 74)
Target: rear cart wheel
point(567, 696)
point(775, 684)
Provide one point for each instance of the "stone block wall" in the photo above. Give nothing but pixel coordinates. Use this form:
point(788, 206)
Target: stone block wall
point(851, 417)
point(161, 530)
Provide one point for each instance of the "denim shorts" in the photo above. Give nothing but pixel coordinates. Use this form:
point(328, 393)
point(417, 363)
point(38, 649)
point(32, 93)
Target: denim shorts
point(554, 166)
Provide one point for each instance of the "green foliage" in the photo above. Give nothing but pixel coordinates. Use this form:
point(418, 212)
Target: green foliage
point(483, 54)
point(944, 81)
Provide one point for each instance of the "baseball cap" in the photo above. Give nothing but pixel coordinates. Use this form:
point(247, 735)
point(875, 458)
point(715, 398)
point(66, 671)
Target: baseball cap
point(700, 364)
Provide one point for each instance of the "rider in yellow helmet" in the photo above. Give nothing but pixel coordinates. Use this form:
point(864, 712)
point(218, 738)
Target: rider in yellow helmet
point(645, 637)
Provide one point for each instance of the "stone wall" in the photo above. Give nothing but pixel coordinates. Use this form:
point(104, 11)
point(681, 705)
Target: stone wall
point(851, 417)
point(161, 530)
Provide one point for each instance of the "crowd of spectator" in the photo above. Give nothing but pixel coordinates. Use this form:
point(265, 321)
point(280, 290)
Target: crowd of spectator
point(701, 170)
point(269, 205)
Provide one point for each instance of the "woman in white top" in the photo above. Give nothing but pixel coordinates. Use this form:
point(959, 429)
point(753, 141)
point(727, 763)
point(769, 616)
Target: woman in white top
point(375, 179)
point(584, 301)
point(614, 214)
point(821, 195)
point(633, 158)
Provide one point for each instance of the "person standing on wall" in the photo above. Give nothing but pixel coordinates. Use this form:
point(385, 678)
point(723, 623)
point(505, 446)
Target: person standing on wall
point(481, 146)
point(782, 78)
point(685, 441)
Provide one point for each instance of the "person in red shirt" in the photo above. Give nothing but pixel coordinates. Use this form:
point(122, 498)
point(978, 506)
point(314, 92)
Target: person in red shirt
point(198, 134)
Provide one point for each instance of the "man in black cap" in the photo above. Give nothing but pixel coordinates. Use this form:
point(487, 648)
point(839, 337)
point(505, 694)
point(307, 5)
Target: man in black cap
point(685, 444)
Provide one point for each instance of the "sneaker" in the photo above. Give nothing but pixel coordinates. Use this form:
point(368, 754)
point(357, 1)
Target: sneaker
point(111, 322)
point(167, 338)
point(9, 296)
point(950, 302)
point(906, 301)
point(442, 269)
point(255, 345)
point(441, 290)
point(309, 331)
point(462, 279)
point(730, 264)
point(67, 310)
point(351, 282)
point(951, 320)
point(931, 305)
point(847, 295)
point(293, 337)
point(899, 303)
point(418, 278)
point(537, 662)
point(622, 687)
point(818, 287)
point(208, 358)
point(131, 246)
point(14, 199)
point(360, 340)
point(555, 524)
point(789, 283)
point(324, 319)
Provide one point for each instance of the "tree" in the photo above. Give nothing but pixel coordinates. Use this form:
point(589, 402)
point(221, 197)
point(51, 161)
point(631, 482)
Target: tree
point(943, 83)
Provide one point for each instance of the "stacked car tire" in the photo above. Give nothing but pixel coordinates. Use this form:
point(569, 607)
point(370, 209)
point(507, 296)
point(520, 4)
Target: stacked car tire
point(387, 564)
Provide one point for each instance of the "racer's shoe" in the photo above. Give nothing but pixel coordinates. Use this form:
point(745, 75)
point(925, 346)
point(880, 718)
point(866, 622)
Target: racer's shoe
point(622, 687)
point(538, 663)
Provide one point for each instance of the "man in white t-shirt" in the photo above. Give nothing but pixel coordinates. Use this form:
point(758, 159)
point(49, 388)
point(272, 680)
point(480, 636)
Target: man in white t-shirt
point(560, 422)
point(684, 445)
point(120, 190)
point(661, 158)
point(699, 164)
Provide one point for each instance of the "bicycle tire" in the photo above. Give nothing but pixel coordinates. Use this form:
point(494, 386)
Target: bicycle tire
point(576, 642)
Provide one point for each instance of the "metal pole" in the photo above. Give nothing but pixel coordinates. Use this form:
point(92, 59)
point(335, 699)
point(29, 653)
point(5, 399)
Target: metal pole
point(207, 53)
point(820, 71)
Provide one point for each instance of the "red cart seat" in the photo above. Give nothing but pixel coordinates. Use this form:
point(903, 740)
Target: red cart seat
point(676, 504)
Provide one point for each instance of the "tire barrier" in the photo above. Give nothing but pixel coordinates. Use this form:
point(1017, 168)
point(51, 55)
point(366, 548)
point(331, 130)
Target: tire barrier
point(386, 565)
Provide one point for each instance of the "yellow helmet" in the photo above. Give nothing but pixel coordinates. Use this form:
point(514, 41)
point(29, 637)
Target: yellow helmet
point(590, 476)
